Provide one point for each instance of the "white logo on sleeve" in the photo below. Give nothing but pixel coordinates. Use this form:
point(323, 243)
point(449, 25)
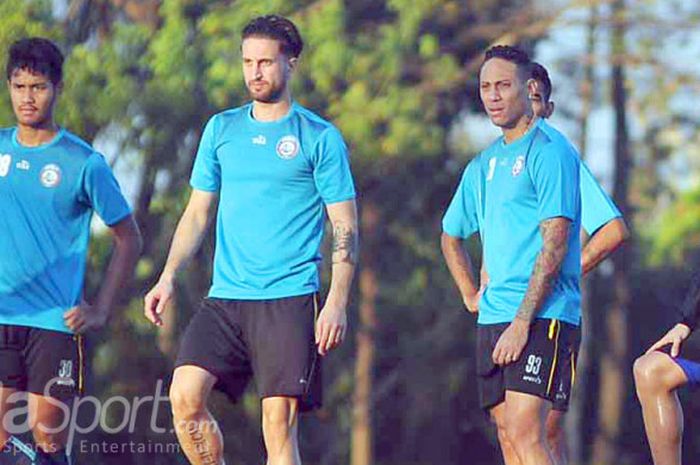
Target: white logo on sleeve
point(50, 175)
point(519, 165)
point(5, 162)
point(288, 147)
point(259, 140)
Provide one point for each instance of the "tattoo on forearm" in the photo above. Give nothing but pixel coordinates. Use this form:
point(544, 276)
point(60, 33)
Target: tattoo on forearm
point(555, 240)
point(201, 446)
point(344, 244)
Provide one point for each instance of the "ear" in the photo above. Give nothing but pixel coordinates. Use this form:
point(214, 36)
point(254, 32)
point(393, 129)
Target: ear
point(293, 62)
point(59, 87)
point(531, 85)
point(550, 108)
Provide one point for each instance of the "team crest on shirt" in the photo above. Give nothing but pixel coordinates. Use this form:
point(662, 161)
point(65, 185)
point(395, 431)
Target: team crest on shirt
point(50, 175)
point(518, 166)
point(288, 147)
point(5, 162)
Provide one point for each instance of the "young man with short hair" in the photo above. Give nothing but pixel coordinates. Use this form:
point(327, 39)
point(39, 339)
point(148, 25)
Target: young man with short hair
point(603, 223)
point(522, 195)
point(51, 182)
point(273, 168)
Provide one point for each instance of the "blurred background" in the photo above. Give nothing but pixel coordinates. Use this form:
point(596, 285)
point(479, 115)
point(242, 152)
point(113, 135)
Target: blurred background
point(399, 78)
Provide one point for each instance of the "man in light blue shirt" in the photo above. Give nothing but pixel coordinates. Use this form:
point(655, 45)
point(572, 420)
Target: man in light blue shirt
point(602, 221)
point(522, 194)
point(51, 182)
point(275, 169)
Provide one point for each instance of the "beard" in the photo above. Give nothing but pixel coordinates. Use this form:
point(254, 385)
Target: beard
point(268, 94)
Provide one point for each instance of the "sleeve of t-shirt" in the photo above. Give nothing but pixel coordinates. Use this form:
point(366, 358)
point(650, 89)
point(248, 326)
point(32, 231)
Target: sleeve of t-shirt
point(206, 172)
point(555, 174)
point(461, 218)
point(102, 192)
point(597, 208)
point(331, 168)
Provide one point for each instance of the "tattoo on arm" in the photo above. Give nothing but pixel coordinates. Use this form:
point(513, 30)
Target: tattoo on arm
point(555, 240)
point(344, 244)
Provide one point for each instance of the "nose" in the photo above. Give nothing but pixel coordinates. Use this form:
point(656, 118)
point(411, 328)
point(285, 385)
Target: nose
point(28, 95)
point(258, 71)
point(493, 95)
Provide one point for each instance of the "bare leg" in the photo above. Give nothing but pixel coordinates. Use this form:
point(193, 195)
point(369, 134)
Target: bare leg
point(525, 417)
point(656, 378)
point(554, 427)
point(49, 422)
point(4, 408)
point(195, 427)
point(280, 430)
point(498, 416)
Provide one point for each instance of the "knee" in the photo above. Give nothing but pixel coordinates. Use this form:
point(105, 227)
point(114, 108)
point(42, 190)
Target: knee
point(185, 401)
point(502, 436)
point(523, 431)
point(279, 416)
point(48, 441)
point(652, 373)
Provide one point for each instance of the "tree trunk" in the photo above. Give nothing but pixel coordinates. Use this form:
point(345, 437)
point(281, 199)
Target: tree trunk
point(361, 452)
point(577, 416)
point(615, 365)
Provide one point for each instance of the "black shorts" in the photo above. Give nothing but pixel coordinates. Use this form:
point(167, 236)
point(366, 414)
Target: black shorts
point(271, 341)
point(546, 368)
point(42, 361)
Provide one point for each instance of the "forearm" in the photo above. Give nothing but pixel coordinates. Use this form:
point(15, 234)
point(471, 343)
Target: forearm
point(555, 239)
point(345, 252)
point(690, 309)
point(341, 282)
point(119, 270)
point(602, 244)
point(188, 237)
point(459, 264)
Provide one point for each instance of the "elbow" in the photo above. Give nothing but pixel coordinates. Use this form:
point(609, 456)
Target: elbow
point(128, 238)
point(623, 230)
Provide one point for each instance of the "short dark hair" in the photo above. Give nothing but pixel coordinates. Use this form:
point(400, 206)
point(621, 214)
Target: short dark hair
point(277, 28)
point(513, 54)
point(37, 55)
point(539, 73)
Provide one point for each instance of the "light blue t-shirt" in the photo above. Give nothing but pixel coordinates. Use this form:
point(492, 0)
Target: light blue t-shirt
point(505, 193)
point(597, 208)
point(274, 180)
point(47, 196)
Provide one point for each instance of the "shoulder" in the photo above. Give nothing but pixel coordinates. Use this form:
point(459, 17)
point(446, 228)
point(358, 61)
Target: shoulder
point(6, 133)
point(317, 127)
point(550, 142)
point(229, 118)
point(6, 137)
point(78, 147)
point(474, 167)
